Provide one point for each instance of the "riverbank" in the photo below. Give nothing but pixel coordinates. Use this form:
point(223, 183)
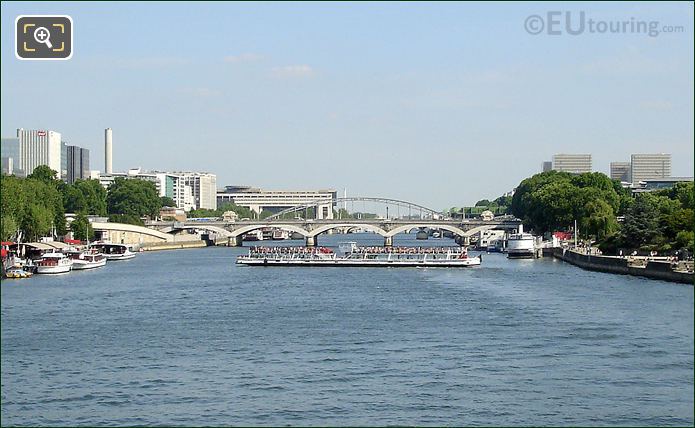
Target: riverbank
point(653, 269)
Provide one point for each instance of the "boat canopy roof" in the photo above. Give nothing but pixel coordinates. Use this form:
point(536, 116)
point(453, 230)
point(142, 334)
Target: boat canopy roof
point(43, 246)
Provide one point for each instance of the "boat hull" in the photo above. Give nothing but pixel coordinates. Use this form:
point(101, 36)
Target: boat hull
point(53, 269)
point(126, 256)
point(470, 262)
point(83, 265)
point(520, 255)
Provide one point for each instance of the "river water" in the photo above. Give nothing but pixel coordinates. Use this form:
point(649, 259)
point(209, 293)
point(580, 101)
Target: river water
point(187, 338)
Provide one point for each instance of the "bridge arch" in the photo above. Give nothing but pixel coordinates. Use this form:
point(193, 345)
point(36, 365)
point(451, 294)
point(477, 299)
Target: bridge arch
point(321, 229)
point(131, 228)
point(216, 229)
point(246, 229)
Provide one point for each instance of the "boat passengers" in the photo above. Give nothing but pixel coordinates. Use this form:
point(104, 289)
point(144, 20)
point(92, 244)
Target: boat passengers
point(358, 250)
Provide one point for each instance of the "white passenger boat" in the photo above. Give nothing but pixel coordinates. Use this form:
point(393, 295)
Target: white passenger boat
point(91, 259)
point(53, 263)
point(113, 251)
point(359, 256)
point(520, 246)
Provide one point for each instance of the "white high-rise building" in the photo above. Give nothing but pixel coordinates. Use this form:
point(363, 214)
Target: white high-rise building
point(650, 166)
point(39, 147)
point(174, 186)
point(204, 188)
point(573, 163)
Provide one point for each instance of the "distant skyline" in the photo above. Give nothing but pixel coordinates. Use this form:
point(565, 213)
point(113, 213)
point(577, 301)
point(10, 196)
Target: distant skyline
point(440, 104)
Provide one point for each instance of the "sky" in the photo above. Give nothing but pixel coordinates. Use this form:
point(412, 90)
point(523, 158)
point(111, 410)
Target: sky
point(440, 104)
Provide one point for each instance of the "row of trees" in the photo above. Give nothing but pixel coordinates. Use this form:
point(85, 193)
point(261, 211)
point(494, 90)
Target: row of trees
point(242, 212)
point(660, 221)
point(35, 206)
point(552, 201)
point(499, 206)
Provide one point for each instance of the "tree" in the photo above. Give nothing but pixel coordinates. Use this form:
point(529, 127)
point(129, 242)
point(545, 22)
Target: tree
point(600, 220)
point(167, 202)
point(74, 200)
point(38, 221)
point(12, 201)
point(94, 196)
point(482, 203)
point(641, 225)
point(134, 198)
point(553, 200)
point(504, 201)
point(81, 228)
point(45, 174)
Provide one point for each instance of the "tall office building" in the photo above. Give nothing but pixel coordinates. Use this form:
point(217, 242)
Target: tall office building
point(573, 163)
point(77, 164)
point(204, 188)
point(9, 147)
point(547, 166)
point(620, 171)
point(174, 186)
point(649, 166)
point(39, 147)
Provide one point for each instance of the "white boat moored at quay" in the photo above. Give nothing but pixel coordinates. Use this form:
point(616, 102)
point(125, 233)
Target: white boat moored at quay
point(91, 259)
point(520, 246)
point(353, 256)
point(53, 263)
point(113, 251)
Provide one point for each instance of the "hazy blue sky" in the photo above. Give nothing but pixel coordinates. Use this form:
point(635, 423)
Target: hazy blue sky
point(440, 104)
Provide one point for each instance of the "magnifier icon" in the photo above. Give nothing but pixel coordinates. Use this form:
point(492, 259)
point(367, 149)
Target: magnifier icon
point(42, 35)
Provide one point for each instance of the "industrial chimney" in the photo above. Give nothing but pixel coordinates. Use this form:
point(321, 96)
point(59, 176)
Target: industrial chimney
point(108, 151)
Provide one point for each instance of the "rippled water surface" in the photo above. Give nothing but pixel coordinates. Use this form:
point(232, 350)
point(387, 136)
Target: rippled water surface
point(187, 338)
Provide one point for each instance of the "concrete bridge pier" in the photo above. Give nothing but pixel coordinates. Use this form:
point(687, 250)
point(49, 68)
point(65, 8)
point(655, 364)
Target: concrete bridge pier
point(310, 241)
point(235, 241)
point(388, 241)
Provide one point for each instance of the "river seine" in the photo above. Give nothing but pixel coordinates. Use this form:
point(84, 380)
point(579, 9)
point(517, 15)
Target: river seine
point(187, 338)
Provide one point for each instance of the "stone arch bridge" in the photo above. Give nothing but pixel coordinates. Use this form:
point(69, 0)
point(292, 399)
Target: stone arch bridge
point(233, 232)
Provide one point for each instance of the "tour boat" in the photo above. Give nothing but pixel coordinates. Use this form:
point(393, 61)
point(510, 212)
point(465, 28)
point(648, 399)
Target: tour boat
point(82, 260)
point(359, 256)
point(53, 263)
point(520, 246)
point(113, 251)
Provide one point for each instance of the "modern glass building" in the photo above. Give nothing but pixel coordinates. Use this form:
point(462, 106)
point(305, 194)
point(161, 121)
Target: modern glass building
point(9, 148)
point(76, 164)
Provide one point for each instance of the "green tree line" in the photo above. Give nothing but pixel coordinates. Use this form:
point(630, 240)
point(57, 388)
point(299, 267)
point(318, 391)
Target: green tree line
point(552, 201)
point(35, 206)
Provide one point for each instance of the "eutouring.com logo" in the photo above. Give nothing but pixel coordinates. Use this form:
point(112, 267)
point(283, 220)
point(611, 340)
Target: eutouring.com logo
point(558, 23)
